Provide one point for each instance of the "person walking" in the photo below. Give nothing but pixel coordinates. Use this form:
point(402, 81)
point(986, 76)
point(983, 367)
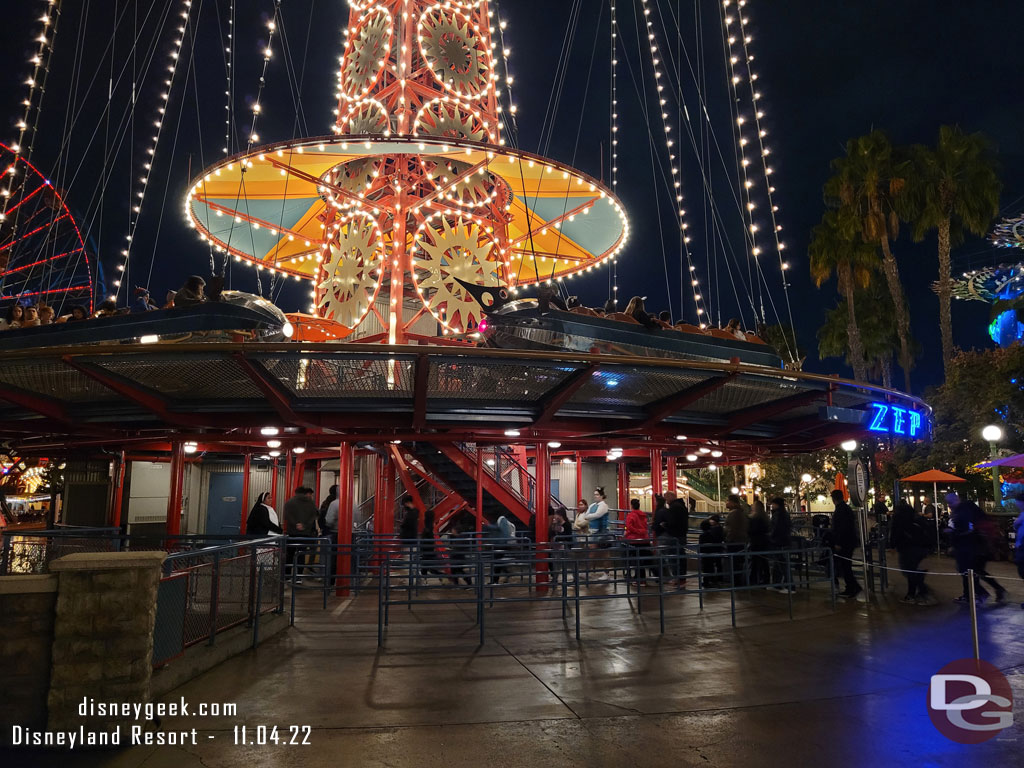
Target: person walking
point(429, 559)
point(637, 539)
point(1018, 537)
point(974, 539)
point(712, 545)
point(262, 519)
point(909, 536)
point(332, 495)
point(299, 522)
point(737, 535)
point(780, 529)
point(844, 542)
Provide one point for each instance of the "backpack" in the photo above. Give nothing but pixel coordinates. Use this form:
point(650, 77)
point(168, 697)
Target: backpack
point(990, 534)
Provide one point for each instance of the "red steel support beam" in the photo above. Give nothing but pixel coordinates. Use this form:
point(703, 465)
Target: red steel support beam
point(750, 416)
point(579, 477)
point(407, 481)
point(623, 485)
point(479, 510)
point(346, 475)
point(551, 404)
point(661, 410)
point(118, 500)
point(289, 486)
point(274, 394)
point(656, 472)
point(177, 487)
point(672, 480)
point(273, 485)
point(246, 467)
point(379, 496)
point(543, 467)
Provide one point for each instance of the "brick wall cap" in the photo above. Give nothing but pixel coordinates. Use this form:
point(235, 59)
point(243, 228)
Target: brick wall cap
point(28, 584)
point(108, 561)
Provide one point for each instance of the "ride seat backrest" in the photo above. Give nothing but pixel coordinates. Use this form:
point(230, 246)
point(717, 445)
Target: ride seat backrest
point(687, 328)
point(718, 333)
point(622, 317)
point(585, 311)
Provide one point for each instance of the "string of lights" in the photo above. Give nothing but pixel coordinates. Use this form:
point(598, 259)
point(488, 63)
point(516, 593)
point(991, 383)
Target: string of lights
point(257, 107)
point(229, 55)
point(40, 64)
point(756, 99)
point(158, 124)
point(510, 123)
point(613, 165)
point(743, 162)
point(677, 182)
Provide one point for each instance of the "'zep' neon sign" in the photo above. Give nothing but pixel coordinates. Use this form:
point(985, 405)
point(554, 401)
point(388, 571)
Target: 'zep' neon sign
point(895, 420)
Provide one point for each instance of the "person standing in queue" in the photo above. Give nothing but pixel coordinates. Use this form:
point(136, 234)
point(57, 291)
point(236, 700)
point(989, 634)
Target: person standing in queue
point(844, 542)
point(597, 517)
point(760, 541)
point(779, 532)
point(637, 538)
point(909, 536)
point(262, 519)
point(737, 535)
point(300, 522)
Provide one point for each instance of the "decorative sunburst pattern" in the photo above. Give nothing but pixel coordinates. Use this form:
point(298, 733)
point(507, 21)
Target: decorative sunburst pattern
point(366, 54)
point(452, 120)
point(351, 275)
point(445, 252)
point(366, 118)
point(356, 175)
point(455, 52)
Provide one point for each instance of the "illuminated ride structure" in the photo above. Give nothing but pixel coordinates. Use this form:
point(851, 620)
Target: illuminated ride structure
point(1001, 286)
point(414, 197)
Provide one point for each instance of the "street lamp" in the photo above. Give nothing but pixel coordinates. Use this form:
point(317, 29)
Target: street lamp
point(805, 478)
point(849, 446)
point(993, 435)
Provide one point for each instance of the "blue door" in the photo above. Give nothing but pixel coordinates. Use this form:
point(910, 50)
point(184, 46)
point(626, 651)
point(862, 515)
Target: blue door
point(224, 503)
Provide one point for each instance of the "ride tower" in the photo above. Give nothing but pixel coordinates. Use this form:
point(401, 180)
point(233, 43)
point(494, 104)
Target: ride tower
point(416, 189)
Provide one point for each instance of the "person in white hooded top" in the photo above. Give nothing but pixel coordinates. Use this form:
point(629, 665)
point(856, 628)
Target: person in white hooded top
point(599, 519)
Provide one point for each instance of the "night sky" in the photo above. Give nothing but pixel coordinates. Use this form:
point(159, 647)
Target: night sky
point(828, 71)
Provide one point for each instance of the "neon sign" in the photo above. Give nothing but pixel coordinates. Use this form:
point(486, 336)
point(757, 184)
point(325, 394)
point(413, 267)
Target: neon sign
point(897, 421)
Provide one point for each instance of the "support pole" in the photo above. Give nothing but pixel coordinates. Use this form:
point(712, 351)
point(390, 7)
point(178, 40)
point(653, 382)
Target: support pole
point(479, 511)
point(656, 472)
point(273, 485)
point(379, 496)
point(579, 478)
point(118, 500)
point(246, 469)
point(177, 486)
point(543, 467)
point(673, 482)
point(623, 485)
point(346, 473)
point(289, 486)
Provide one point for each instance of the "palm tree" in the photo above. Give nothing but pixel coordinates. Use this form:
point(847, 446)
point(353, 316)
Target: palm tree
point(877, 330)
point(851, 261)
point(955, 190)
point(868, 190)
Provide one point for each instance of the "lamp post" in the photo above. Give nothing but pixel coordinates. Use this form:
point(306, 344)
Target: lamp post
point(805, 478)
point(993, 435)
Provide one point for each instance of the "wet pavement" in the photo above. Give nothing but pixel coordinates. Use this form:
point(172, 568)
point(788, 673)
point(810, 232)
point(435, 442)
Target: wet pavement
point(842, 687)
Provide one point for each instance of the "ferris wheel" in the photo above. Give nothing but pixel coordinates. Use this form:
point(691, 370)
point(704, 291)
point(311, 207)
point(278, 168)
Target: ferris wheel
point(43, 257)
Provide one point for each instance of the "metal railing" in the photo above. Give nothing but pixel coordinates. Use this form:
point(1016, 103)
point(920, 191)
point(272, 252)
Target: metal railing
point(206, 591)
point(32, 551)
point(485, 574)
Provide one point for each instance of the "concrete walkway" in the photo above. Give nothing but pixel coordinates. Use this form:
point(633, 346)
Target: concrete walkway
point(843, 688)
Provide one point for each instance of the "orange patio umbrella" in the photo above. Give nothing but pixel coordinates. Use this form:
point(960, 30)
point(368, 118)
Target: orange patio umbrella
point(934, 476)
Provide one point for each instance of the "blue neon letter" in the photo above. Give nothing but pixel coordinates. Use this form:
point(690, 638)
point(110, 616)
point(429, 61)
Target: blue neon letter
point(915, 423)
point(878, 422)
point(899, 420)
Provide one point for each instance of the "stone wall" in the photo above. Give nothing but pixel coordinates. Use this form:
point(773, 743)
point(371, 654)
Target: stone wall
point(26, 634)
point(103, 633)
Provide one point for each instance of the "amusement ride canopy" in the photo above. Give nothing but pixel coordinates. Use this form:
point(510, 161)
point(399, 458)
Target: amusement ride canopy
point(416, 188)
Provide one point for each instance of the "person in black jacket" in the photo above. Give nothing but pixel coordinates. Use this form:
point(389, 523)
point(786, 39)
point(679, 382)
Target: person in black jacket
point(779, 533)
point(971, 548)
point(844, 542)
point(712, 543)
point(332, 495)
point(909, 535)
point(672, 538)
point(262, 518)
point(409, 528)
point(760, 526)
